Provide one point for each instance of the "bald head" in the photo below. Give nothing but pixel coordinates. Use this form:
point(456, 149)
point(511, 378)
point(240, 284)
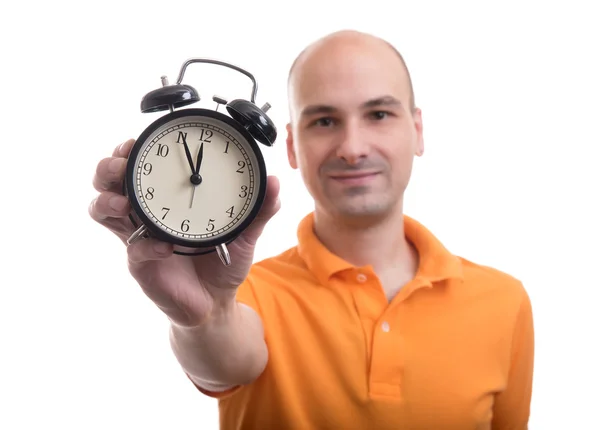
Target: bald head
point(347, 44)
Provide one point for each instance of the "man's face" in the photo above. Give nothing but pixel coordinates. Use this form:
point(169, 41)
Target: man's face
point(352, 134)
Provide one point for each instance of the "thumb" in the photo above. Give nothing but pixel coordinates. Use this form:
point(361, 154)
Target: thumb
point(269, 208)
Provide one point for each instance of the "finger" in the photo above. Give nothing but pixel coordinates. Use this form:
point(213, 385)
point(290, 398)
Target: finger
point(111, 170)
point(272, 203)
point(123, 149)
point(109, 205)
point(146, 250)
point(119, 223)
point(270, 207)
point(109, 174)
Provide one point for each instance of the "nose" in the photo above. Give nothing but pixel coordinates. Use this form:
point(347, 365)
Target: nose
point(352, 145)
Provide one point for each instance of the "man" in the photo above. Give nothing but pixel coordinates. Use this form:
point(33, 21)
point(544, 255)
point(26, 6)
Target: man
point(369, 322)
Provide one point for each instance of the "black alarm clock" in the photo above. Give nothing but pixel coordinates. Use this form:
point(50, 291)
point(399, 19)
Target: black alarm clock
point(196, 177)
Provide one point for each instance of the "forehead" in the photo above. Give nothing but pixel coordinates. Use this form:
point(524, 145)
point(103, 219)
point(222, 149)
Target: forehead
point(347, 75)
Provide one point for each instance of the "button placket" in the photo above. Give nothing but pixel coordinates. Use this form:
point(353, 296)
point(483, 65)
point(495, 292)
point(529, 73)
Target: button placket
point(386, 373)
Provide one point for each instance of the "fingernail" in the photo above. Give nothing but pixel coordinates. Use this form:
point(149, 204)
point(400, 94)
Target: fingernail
point(124, 145)
point(115, 165)
point(117, 203)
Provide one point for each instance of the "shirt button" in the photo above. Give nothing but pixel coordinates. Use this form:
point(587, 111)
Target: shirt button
point(385, 326)
point(361, 277)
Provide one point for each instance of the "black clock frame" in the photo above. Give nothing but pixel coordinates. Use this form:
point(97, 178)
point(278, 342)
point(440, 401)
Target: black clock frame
point(129, 188)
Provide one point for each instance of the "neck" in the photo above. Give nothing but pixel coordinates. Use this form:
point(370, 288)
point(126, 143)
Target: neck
point(381, 244)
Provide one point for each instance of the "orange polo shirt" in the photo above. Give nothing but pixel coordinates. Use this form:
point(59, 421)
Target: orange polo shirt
point(453, 350)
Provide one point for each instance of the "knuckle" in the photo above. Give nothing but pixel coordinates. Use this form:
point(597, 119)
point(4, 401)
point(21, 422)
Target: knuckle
point(102, 203)
point(99, 185)
point(146, 250)
point(110, 171)
point(101, 178)
point(133, 253)
point(93, 211)
point(101, 167)
point(139, 252)
point(108, 204)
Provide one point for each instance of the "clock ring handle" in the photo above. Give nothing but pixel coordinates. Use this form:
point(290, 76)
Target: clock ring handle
point(220, 63)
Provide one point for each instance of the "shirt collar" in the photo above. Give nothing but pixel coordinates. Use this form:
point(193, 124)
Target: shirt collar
point(436, 263)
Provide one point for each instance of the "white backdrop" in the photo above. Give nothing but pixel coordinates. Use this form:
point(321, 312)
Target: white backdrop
point(509, 178)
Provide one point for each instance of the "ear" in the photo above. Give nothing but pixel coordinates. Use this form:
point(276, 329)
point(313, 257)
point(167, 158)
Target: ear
point(418, 121)
point(291, 152)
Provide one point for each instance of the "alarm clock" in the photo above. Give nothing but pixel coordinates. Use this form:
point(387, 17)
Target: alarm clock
point(196, 177)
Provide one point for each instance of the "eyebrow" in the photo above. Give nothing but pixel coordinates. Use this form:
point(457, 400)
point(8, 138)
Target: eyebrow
point(377, 102)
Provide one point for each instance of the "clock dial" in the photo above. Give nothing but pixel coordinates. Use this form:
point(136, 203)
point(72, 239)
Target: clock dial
point(196, 206)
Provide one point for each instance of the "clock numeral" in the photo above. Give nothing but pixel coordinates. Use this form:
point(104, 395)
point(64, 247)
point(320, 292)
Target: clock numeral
point(162, 150)
point(185, 226)
point(242, 165)
point(208, 134)
point(226, 147)
point(244, 191)
point(182, 137)
point(147, 169)
point(167, 211)
point(211, 226)
point(230, 212)
point(149, 193)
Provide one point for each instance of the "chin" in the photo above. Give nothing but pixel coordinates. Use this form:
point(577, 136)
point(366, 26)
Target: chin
point(359, 206)
point(363, 213)
point(365, 210)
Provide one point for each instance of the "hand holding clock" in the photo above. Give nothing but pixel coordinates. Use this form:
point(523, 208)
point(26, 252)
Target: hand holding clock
point(143, 199)
point(187, 289)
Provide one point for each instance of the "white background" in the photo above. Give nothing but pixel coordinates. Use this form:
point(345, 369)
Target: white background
point(510, 176)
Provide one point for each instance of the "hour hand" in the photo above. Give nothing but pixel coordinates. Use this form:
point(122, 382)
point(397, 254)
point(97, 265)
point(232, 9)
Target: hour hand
point(199, 158)
point(196, 178)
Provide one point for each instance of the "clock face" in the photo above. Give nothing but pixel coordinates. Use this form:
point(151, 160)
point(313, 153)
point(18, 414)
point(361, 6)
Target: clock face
point(197, 205)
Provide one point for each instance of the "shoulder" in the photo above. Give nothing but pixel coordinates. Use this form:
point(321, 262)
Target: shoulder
point(503, 289)
point(491, 275)
point(273, 274)
point(282, 267)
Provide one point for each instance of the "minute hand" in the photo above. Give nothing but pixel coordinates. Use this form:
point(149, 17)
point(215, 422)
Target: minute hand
point(188, 156)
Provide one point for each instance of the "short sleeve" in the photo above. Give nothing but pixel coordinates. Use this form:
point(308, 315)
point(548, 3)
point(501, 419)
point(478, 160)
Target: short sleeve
point(247, 296)
point(512, 407)
point(219, 395)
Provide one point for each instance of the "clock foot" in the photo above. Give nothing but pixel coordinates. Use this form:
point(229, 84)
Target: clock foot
point(138, 234)
point(224, 254)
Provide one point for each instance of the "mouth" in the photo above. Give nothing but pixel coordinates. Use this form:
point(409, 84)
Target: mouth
point(354, 178)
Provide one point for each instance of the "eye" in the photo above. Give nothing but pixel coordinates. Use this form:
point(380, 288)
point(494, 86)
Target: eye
point(380, 114)
point(323, 122)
